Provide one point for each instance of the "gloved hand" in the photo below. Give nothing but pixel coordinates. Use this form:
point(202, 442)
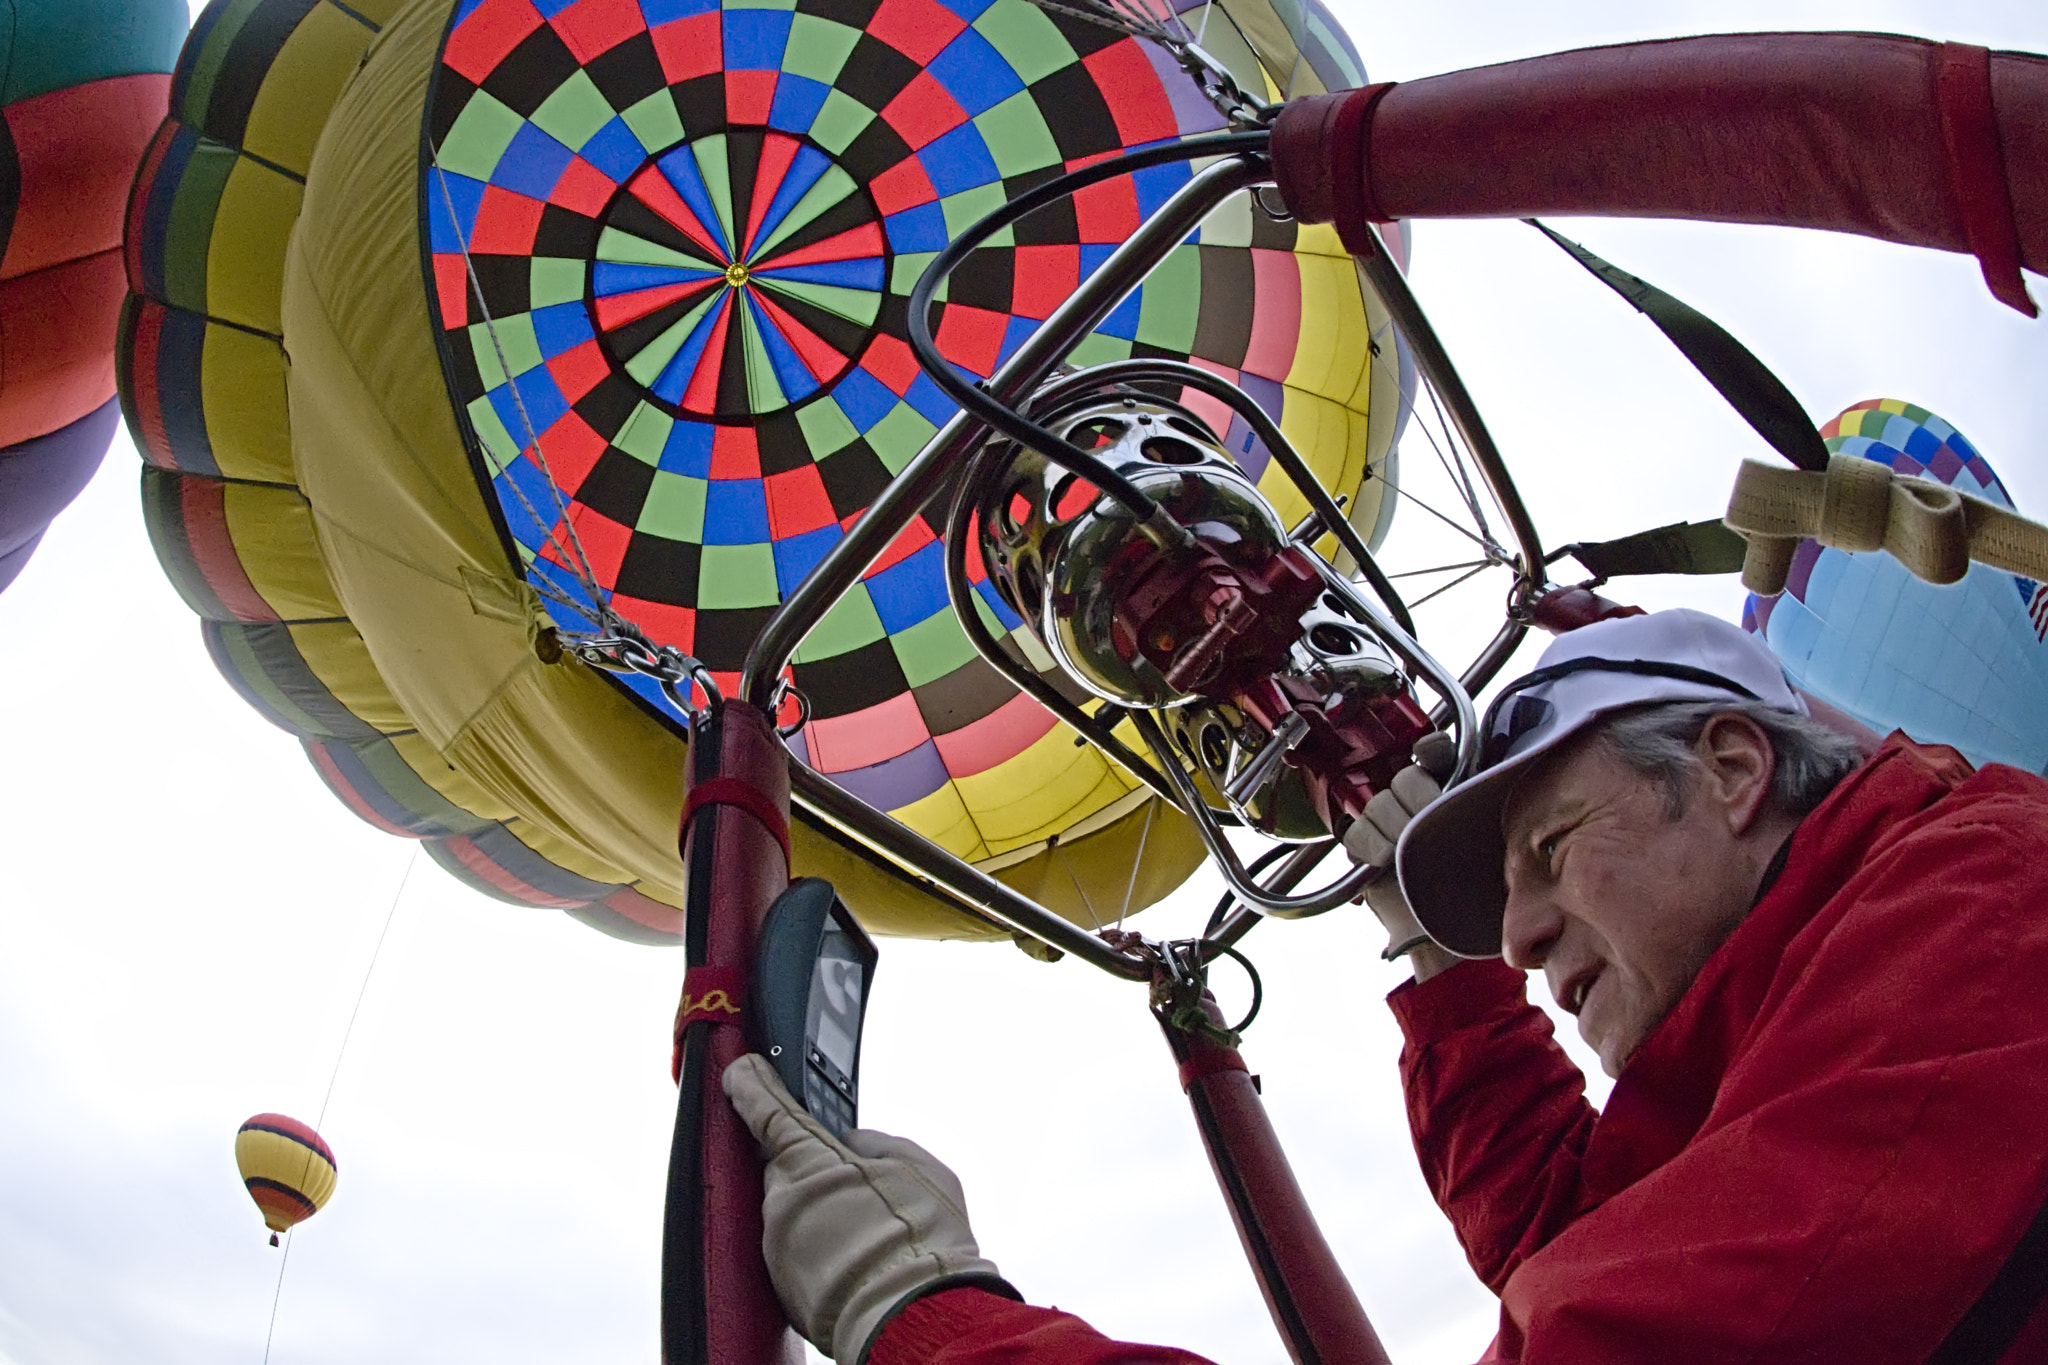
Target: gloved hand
point(1372, 837)
point(854, 1230)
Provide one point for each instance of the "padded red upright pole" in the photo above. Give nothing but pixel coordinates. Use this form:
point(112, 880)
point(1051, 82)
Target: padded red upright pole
point(1319, 1317)
point(717, 1305)
point(1939, 145)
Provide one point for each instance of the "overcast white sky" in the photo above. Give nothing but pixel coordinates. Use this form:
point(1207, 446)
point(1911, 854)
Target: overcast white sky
point(186, 914)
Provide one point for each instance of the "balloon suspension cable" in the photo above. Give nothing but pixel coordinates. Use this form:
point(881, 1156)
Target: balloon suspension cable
point(572, 546)
point(1161, 25)
point(975, 397)
point(616, 645)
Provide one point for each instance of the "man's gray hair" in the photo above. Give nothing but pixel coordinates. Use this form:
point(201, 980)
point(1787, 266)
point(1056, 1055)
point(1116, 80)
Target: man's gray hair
point(1657, 741)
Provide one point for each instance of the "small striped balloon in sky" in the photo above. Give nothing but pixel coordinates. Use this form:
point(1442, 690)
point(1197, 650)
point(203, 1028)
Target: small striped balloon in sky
point(287, 1167)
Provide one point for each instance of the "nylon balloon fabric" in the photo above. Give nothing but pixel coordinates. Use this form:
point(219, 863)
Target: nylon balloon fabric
point(686, 234)
point(1962, 664)
point(82, 84)
point(692, 231)
point(202, 373)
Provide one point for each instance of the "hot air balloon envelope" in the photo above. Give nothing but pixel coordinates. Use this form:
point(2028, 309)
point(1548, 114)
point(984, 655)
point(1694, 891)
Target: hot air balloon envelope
point(287, 1168)
point(82, 84)
point(608, 301)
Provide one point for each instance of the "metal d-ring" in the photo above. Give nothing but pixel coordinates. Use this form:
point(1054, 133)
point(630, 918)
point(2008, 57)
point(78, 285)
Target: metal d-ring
point(789, 691)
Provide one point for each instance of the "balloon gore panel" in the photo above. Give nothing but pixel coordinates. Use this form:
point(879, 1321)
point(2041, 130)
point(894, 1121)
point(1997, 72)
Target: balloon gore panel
point(82, 84)
point(40, 477)
point(671, 248)
point(1963, 664)
point(664, 249)
point(202, 370)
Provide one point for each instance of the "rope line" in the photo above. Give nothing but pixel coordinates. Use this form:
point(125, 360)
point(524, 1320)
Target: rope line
point(306, 1162)
point(1131, 888)
point(574, 545)
point(375, 953)
point(1460, 477)
point(277, 1294)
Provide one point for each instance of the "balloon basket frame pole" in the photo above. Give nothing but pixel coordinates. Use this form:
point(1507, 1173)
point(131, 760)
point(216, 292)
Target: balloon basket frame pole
point(718, 1306)
point(1313, 1306)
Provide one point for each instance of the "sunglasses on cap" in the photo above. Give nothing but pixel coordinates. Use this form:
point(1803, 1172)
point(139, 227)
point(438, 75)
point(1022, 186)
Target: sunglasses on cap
point(1501, 732)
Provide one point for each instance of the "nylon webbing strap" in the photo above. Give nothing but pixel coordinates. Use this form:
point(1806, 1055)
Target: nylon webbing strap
point(1696, 547)
point(1759, 397)
point(1861, 505)
point(1976, 169)
point(711, 995)
point(730, 791)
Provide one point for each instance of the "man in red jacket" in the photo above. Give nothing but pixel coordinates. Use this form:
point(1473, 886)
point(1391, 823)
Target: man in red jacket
point(1818, 974)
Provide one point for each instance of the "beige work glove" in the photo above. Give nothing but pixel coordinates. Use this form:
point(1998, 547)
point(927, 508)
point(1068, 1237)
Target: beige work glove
point(1371, 839)
point(853, 1230)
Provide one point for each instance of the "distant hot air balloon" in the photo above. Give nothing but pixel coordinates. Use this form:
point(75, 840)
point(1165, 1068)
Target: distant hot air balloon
point(1961, 664)
point(287, 1167)
point(82, 85)
point(657, 254)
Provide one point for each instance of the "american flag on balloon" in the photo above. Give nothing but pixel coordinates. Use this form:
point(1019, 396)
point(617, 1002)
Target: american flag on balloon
point(2036, 597)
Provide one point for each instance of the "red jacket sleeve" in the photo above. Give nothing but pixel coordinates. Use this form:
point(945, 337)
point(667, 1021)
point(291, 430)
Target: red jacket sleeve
point(1927, 144)
point(1874, 1150)
point(1498, 1112)
point(970, 1327)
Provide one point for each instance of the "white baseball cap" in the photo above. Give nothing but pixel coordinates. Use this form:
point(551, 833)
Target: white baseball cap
point(1451, 855)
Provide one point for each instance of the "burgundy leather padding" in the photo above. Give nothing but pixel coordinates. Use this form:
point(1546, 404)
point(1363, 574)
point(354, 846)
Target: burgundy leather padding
point(1303, 159)
point(1351, 173)
point(1313, 1305)
point(1563, 609)
point(1207, 1061)
point(718, 1306)
point(1969, 129)
point(1837, 131)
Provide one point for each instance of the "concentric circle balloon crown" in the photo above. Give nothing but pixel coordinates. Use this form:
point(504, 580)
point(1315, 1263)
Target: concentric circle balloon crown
point(659, 256)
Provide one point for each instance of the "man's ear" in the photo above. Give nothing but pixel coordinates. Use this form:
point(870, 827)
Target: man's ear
point(1737, 762)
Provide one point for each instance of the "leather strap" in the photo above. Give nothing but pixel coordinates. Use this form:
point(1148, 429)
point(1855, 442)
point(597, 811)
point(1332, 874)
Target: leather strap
point(1976, 168)
point(1355, 209)
point(711, 995)
point(730, 791)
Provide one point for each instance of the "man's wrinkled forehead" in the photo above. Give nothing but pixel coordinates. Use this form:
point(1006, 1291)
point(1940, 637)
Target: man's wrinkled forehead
point(1536, 793)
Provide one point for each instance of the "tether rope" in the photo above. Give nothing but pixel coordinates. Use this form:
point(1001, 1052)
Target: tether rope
point(340, 1053)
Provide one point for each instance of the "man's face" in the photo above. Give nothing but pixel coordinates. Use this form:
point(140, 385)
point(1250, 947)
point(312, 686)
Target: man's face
point(1617, 902)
